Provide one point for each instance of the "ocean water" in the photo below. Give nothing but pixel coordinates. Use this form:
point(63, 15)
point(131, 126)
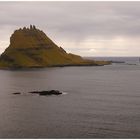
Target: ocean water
point(99, 102)
point(126, 60)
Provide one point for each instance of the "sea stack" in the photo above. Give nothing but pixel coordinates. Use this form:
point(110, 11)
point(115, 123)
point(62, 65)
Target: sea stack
point(32, 48)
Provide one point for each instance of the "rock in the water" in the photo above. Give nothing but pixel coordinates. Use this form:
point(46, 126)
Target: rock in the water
point(44, 93)
point(16, 93)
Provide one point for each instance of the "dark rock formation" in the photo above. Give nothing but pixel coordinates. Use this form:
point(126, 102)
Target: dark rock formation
point(44, 93)
point(15, 93)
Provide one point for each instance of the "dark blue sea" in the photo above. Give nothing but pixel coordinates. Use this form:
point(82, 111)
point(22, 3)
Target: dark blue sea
point(97, 101)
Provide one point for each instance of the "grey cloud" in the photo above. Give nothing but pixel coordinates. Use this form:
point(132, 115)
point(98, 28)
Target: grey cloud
point(73, 21)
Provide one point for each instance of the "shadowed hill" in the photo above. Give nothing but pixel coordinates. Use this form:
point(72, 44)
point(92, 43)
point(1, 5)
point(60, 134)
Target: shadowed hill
point(30, 47)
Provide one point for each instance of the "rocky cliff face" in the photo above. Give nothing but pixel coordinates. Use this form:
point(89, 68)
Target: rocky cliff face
point(30, 47)
point(30, 38)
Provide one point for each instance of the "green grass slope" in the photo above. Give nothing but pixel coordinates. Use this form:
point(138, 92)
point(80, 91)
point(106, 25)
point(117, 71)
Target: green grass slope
point(30, 47)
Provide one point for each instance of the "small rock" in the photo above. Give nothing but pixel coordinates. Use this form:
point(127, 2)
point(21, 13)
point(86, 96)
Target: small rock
point(44, 93)
point(16, 93)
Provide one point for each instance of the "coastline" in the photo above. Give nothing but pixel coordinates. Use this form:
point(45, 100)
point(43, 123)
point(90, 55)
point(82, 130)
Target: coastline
point(52, 66)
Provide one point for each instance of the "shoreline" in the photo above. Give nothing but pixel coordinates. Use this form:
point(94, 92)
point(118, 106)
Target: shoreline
point(53, 66)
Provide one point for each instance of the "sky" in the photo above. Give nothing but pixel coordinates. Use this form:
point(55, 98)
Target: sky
point(85, 28)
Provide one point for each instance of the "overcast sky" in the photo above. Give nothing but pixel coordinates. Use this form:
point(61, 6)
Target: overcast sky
point(84, 28)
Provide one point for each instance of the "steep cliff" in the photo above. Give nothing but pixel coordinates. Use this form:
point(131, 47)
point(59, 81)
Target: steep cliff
point(30, 47)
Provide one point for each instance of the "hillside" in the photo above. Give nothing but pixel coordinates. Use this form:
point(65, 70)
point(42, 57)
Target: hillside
point(31, 48)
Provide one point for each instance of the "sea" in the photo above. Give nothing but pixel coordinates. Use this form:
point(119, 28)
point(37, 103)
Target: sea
point(97, 101)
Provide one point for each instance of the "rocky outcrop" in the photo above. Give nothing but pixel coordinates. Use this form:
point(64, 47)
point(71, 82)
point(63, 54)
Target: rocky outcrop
point(44, 93)
point(32, 48)
point(16, 93)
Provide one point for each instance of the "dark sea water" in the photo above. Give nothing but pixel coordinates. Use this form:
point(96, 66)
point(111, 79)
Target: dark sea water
point(99, 102)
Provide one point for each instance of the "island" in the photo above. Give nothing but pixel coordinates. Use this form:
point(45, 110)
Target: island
point(32, 48)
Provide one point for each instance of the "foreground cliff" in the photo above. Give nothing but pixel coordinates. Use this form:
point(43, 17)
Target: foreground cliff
point(31, 48)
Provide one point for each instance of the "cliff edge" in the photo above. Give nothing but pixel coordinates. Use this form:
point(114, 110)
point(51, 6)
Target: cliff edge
point(32, 48)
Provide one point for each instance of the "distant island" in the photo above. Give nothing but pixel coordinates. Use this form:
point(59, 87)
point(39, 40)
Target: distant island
point(32, 48)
